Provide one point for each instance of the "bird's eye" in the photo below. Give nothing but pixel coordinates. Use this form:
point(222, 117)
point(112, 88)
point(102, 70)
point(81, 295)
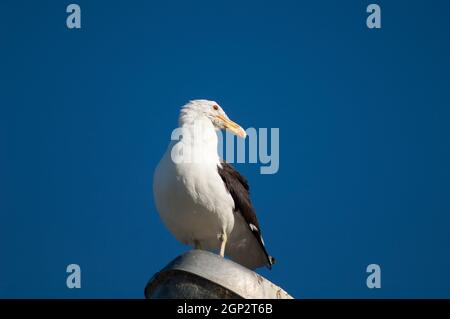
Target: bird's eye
point(215, 107)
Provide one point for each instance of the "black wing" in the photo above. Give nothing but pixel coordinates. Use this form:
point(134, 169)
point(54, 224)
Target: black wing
point(237, 186)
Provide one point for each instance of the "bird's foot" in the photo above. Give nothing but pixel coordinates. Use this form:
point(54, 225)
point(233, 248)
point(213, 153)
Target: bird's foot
point(223, 238)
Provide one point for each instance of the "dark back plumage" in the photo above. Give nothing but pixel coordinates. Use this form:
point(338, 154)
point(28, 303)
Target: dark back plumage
point(237, 186)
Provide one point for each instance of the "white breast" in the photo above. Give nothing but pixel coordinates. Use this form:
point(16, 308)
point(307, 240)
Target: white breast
point(191, 197)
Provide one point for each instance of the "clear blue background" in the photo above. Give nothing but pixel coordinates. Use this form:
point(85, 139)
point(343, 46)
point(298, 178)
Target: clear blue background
point(85, 116)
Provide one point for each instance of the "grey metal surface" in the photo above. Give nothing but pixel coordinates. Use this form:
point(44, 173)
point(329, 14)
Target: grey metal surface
point(202, 274)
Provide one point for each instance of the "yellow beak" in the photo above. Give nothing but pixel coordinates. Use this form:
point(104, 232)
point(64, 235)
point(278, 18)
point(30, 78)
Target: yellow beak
point(233, 127)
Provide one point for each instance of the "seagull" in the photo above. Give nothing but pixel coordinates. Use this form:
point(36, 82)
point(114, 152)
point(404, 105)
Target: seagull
point(202, 200)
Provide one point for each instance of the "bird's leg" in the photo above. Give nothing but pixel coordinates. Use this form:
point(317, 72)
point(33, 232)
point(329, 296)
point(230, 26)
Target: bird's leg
point(223, 239)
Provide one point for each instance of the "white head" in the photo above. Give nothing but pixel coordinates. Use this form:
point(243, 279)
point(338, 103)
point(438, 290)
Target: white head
point(201, 109)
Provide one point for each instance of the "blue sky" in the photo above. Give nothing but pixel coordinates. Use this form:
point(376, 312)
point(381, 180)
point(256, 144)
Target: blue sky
point(85, 116)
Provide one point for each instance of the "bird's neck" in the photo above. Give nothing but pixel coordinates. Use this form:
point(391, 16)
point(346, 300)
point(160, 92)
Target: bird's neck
point(199, 139)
